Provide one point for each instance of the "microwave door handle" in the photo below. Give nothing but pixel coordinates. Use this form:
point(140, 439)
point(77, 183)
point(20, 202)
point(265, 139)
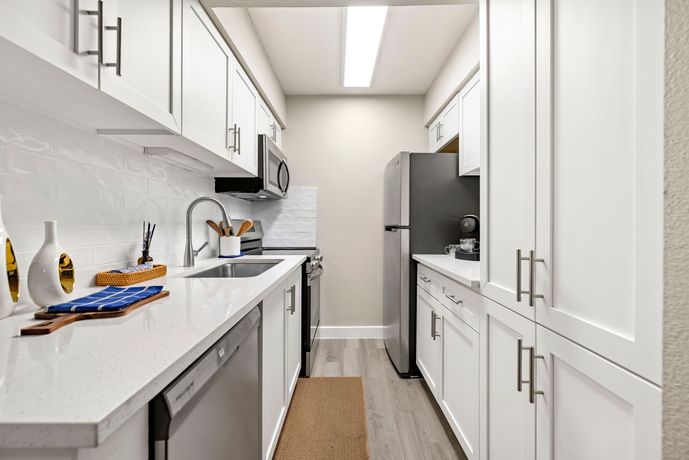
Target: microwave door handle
point(283, 164)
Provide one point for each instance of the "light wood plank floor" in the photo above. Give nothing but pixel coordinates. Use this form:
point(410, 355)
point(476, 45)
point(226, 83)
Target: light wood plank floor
point(404, 421)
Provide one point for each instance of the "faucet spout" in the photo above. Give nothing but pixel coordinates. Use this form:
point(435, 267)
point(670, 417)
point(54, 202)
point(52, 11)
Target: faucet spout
point(189, 252)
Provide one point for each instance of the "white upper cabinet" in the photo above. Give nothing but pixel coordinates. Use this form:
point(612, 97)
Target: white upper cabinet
point(60, 32)
point(600, 177)
point(207, 60)
point(141, 57)
point(470, 128)
point(267, 124)
point(590, 408)
point(508, 202)
point(243, 121)
point(508, 417)
point(445, 126)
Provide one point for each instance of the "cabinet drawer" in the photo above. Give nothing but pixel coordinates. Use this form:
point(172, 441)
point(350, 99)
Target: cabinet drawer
point(459, 299)
point(424, 277)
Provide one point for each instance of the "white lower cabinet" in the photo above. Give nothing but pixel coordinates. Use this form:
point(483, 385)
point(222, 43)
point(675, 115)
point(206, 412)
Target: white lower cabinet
point(591, 408)
point(459, 389)
point(447, 353)
point(292, 313)
point(280, 358)
point(428, 347)
point(515, 390)
point(508, 419)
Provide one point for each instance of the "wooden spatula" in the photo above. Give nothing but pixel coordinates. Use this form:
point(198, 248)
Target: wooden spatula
point(245, 227)
point(215, 227)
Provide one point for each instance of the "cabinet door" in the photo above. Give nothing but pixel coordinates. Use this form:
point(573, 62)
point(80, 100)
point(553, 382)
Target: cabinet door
point(57, 31)
point(460, 382)
point(143, 57)
point(591, 408)
point(292, 302)
point(244, 117)
point(600, 177)
point(206, 59)
point(273, 369)
point(278, 133)
point(434, 136)
point(263, 120)
point(508, 419)
point(470, 128)
point(428, 345)
point(508, 191)
point(449, 122)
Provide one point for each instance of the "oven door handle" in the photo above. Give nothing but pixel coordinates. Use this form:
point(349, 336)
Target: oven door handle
point(315, 275)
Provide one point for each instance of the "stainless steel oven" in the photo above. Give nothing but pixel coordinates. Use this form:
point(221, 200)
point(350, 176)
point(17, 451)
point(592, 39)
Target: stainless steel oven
point(271, 182)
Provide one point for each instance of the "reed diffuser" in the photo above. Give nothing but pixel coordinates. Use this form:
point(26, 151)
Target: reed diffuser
point(148, 232)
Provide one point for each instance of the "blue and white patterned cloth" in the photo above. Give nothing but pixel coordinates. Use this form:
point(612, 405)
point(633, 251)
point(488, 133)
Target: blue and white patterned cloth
point(109, 299)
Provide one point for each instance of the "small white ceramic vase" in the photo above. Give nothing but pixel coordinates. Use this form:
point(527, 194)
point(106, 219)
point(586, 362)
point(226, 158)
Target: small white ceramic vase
point(230, 245)
point(9, 280)
point(51, 273)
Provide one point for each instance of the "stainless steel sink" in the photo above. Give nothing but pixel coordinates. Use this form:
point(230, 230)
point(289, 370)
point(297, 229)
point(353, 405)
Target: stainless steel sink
point(237, 269)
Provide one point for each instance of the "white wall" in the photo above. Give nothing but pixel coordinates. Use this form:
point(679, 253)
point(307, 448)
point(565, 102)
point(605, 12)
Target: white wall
point(676, 251)
point(247, 46)
point(99, 191)
point(341, 145)
point(460, 65)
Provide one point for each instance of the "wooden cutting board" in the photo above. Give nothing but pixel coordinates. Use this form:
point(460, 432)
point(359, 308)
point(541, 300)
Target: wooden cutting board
point(55, 321)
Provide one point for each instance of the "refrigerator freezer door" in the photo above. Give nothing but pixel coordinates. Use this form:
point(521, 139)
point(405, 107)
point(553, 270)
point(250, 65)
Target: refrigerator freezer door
point(396, 296)
point(396, 193)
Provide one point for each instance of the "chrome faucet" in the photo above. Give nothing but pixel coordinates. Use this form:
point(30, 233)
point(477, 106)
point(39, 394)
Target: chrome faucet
point(189, 252)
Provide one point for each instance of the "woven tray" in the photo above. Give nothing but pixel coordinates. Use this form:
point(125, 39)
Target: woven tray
point(127, 279)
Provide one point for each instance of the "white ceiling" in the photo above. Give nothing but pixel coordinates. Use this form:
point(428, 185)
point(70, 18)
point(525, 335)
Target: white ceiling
point(304, 46)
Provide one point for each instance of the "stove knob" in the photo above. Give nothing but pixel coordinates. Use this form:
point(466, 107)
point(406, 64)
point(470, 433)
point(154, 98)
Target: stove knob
point(318, 258)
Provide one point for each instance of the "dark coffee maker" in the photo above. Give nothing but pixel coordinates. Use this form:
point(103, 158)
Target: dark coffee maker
point(469, 234)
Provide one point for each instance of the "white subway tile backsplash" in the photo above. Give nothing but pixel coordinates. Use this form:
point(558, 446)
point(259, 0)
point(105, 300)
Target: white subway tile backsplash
point(290, 222)
point(98, 191)
point(25, 137)
point(88, 154)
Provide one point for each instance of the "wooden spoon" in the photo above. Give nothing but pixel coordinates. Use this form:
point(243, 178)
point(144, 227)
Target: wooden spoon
point(215, 227)
point(226, 231)
point(245, 227)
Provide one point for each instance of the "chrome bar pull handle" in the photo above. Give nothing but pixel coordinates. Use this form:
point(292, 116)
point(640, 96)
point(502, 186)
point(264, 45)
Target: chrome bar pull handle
point(519, 290)
point(532, 279)
point(454, 299)
point(239, 140)
point(118, 53)
point(532, 375)
point(520, 350)
point(435, 326)
point(432, 324)
point(99, 52)
point(233, 130)
point(293, 299)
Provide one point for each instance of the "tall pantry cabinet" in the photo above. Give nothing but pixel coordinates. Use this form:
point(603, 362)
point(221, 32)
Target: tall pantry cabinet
point(572, 204)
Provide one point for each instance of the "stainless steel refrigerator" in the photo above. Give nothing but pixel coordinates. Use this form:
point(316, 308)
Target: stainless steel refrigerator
point(424, 199)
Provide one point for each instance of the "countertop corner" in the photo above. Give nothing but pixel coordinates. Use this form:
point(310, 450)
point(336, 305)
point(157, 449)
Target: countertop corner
point(466, 272)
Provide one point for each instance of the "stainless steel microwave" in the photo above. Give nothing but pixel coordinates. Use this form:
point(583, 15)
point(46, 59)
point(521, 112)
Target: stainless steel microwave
point(272, 181)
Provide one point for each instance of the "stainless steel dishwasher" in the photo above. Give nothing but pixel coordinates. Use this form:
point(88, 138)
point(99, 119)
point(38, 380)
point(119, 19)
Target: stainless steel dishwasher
point(212, 410)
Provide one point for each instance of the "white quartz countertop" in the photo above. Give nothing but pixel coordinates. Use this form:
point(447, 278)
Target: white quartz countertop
point(76, 386)
point(467, 272)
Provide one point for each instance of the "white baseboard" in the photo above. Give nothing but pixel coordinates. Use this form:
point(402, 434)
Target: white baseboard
point(350, 332)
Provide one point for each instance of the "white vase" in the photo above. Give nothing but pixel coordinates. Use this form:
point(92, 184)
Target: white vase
point(9, 281)
point(51, 273)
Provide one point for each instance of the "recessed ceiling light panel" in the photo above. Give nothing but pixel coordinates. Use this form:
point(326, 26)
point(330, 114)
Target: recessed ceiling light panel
point(363, 33)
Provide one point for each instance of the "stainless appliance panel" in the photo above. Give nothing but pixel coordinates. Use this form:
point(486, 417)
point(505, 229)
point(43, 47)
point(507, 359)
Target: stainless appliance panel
point(272, 180)
point(396, 296)
point(212, 411)
point(396, 192)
